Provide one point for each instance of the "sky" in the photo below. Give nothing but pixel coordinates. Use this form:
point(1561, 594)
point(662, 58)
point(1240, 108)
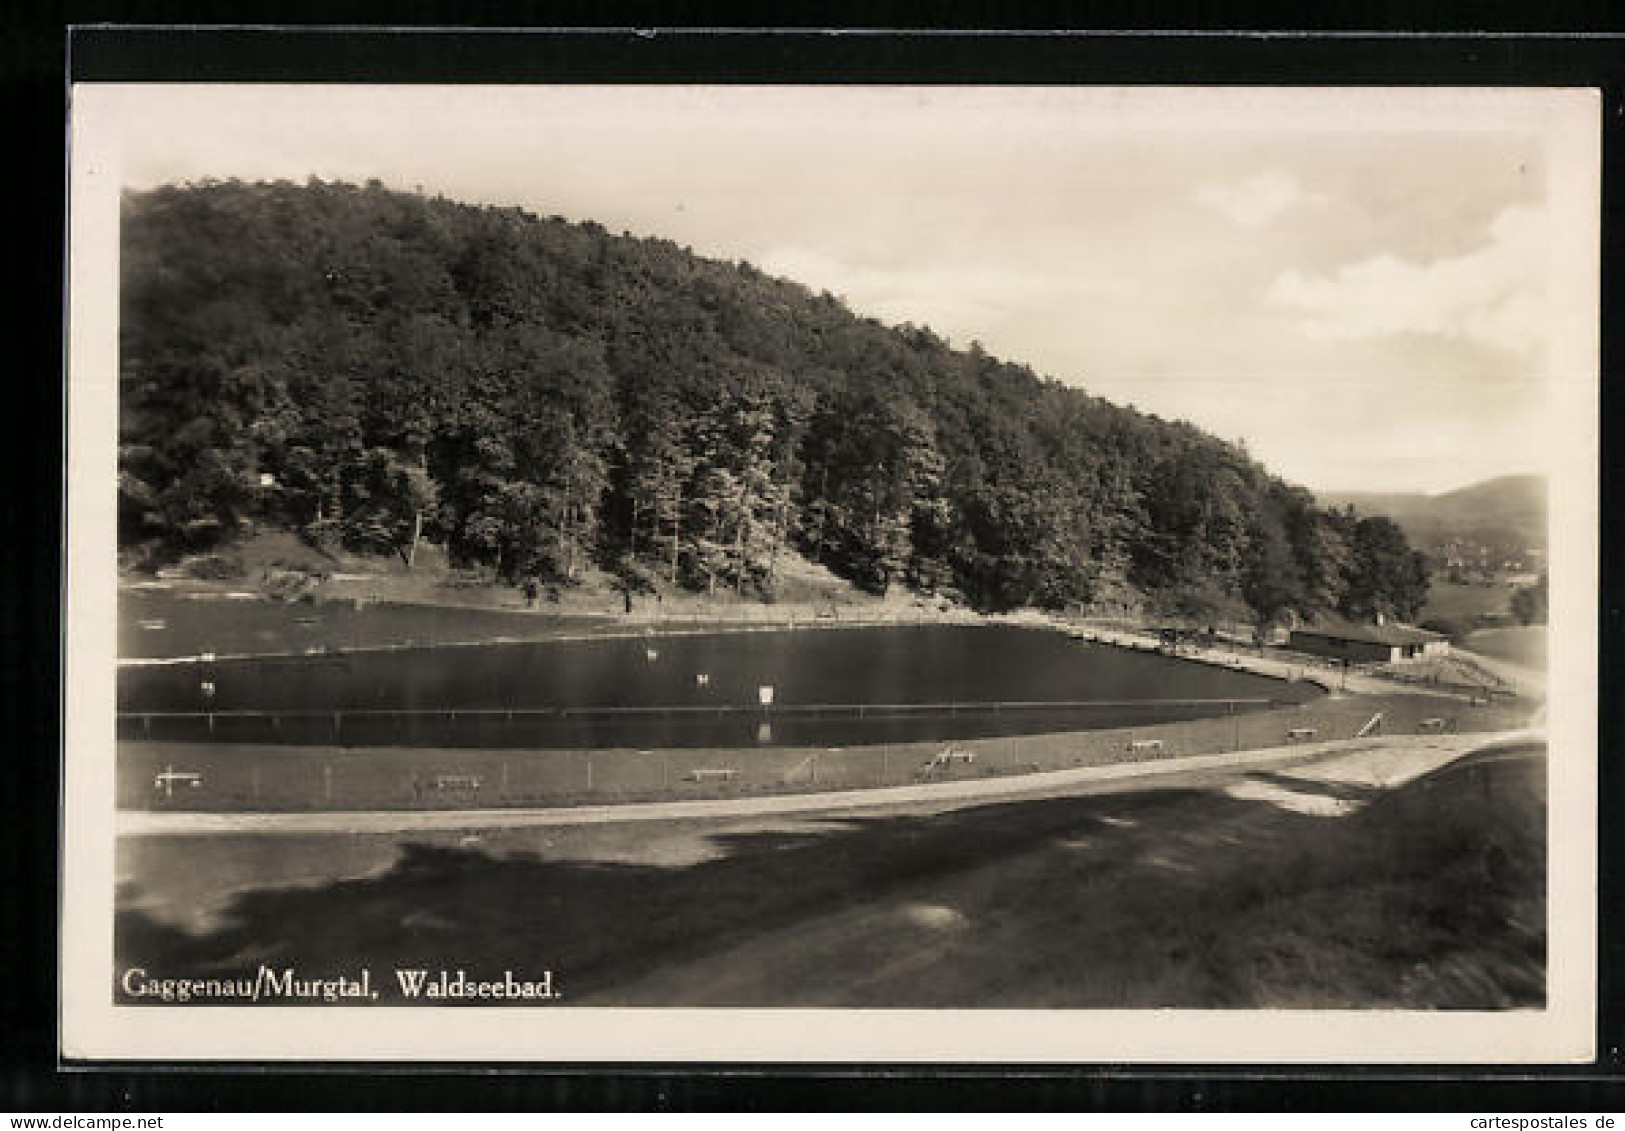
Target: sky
point(1364, 287)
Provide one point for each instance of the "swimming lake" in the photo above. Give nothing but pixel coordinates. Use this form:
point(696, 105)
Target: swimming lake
point(787, 687)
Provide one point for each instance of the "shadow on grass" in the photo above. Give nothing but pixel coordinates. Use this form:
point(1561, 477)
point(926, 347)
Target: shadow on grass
point(1337, 791)
point(1431, 896)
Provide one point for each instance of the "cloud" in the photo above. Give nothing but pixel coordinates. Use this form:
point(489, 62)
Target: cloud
point(960, 301)
point(1257, 200)
point(1494, 295)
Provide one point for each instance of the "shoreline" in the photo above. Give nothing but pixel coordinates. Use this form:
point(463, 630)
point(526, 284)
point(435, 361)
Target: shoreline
point(650, 629)
point(763, 618)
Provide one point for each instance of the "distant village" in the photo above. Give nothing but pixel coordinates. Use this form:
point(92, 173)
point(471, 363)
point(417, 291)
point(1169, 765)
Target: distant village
point(1465, 561)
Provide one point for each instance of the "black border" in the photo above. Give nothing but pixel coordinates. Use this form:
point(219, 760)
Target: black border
point(34, 61)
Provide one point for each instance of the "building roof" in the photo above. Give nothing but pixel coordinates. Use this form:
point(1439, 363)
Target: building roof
point(1390, 634)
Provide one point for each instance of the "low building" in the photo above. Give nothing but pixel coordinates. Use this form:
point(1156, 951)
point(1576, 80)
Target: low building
point(1380, 643)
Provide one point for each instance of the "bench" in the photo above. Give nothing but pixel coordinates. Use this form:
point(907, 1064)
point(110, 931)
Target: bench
point(1430, 725)
point(456, 781)
point(1300, 732)
point(1145, 744)
point(713, 774)
point(943, 759)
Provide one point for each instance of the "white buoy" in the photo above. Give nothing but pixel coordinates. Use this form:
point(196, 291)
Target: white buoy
point(764, 693)
point(651, 655)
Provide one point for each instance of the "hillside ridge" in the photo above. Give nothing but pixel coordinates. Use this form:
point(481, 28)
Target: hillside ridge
point(1506, 514)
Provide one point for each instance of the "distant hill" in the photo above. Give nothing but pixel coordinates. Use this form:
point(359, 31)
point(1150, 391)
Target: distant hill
point(1505, 513)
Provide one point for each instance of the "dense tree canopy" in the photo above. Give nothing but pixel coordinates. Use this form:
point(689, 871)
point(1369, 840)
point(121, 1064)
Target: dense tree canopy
point(377, 368)
point(1531, 603)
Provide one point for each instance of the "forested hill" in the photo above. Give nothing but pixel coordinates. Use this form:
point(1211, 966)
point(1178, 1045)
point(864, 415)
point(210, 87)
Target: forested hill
point(377, 368)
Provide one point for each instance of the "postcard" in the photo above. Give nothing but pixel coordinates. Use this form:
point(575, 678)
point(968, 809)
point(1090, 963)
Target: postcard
point(848, 574)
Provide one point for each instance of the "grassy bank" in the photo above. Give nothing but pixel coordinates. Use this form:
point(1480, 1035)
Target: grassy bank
point(1431, 896)
point(172, 622)
point(1464, 606)
point(273, 593)
point(1525, 645)
point(244, 777)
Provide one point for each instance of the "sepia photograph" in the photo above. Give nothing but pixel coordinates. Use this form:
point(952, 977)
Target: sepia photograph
point(831, 573)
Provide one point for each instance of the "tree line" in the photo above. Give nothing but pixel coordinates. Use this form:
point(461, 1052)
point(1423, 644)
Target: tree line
point(373, 369)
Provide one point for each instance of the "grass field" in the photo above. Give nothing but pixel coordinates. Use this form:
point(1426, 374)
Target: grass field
point(1464, 604)
point(1429, 896)
point(1521, 644)
point(188, 621)
point(353, 601)
point(158, 623)
point(245, 776)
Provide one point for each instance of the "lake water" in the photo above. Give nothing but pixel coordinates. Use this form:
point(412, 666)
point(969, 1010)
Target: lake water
point(849, 685)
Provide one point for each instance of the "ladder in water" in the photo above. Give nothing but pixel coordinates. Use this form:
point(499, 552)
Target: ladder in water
point(1371, 724)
